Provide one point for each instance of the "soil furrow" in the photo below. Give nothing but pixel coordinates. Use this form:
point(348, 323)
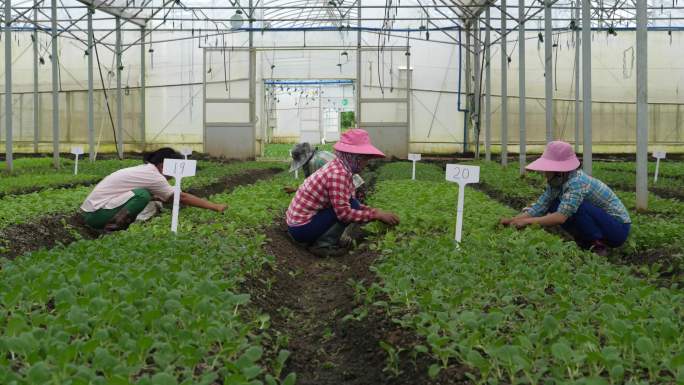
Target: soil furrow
point(62, 229)
point(310, 300)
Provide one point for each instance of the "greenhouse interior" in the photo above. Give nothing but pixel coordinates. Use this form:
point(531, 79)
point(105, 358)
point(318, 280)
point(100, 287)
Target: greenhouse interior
point(342, 192)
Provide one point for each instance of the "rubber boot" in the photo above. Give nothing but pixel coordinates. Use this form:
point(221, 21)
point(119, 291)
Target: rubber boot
point(327, 245)
point(120, 221)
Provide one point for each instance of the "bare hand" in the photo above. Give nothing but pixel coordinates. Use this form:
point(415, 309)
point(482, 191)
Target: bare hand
point(520, 222)
point(388, 218)
point(505, 221)
point(220, 208)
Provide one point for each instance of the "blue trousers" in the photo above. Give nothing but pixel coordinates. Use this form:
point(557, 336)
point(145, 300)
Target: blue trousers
point(591, 223)
point(319, 225)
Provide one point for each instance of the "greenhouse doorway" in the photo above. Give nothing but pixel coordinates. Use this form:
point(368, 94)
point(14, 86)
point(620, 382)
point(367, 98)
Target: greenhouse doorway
point(309, 110)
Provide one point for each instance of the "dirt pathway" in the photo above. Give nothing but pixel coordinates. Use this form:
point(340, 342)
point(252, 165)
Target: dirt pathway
point(310, 299)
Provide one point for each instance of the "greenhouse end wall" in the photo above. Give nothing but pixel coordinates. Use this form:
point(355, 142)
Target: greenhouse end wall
point(174, 91)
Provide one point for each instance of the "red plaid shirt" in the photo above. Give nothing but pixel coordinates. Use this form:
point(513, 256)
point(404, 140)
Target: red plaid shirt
point(330, 186)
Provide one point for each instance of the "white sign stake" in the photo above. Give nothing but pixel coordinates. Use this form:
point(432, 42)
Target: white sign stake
point(658, 155)
point(186, 151)
point(178, 169)
point(414, 158)
point(76, 151)
point(462, 175)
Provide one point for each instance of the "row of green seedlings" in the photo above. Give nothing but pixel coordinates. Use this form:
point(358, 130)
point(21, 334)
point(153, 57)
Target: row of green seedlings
point(666, 169)
point(26, 208)
point(145, 307)
point(42, 176)
point(653, 243)
point(517, 307)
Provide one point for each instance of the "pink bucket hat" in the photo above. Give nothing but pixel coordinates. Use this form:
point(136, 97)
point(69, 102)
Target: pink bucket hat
point(558, 157)
point(357, 141)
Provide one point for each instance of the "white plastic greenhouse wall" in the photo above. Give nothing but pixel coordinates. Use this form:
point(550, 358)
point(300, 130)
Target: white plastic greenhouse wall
point(176, 70)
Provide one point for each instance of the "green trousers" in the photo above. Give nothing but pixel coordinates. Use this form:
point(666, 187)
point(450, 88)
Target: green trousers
point(98, 219)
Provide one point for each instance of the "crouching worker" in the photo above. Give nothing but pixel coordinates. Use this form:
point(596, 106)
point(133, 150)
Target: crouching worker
point(117, 200)
point(582, 205)
point(325, 203)
point(307, 159)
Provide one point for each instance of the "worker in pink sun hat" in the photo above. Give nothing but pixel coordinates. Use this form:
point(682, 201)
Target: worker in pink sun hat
point(582, 205)
point(325, 203)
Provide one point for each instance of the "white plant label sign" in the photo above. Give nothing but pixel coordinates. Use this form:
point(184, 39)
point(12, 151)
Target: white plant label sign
point(76, 151)
point(658, 155)
point(186, 151)
point(178, 169)
point(414, 158)
point(462, 175)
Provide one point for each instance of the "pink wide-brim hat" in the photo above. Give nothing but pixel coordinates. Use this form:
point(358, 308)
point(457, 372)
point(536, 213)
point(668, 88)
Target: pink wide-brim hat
point(557, 157)
point(357, 141)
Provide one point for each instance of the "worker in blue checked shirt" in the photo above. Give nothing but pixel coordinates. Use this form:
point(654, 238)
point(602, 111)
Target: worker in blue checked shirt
point(583, 206)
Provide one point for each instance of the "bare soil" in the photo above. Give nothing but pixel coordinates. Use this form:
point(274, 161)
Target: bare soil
point(62, 229)
point(308, 298)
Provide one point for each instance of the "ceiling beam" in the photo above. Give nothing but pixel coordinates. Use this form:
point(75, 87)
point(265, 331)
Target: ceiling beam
point(117, 12)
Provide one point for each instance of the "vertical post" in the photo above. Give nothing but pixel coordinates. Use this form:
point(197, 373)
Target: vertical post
point(143, 101)
point(468, 88)
point(476, 99)
point(55, 86)
point(586, 85)
point(252, 74)
point(8, 85)
point(642, 105)
point(504, 88)
point(91, 107)
point(119, 93)
point(358, 64)
point(409, 84)
point(577, 77)
point(488, 88)
point(36, 105)
point(521, 80)
point(548, 68)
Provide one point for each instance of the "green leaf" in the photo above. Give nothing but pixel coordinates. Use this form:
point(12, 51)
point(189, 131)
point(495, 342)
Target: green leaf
point(645, 346)
point(617, 372)
point(163, 378)
point(291, 379)
point(434, 370)
point(254, 353)
point(561, 351)
point(39, 373)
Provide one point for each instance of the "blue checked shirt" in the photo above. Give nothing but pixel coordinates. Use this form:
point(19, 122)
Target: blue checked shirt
point(580, 187)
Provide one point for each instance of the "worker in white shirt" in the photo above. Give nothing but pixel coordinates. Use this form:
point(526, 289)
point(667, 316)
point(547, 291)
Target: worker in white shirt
point(118, 199)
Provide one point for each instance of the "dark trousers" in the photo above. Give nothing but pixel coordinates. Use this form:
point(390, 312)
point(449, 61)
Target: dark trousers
point(591, 223)
point(323, 221)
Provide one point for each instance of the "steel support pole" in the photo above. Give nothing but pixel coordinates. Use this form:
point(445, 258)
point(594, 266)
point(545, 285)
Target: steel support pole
point(358, 64)
point(478, 89)
point(55, 86)
point(468, 88)
point(119, 93)
point(586, 85)
point(488, 87)
point(252, 76)
point(8, 86)
point(521, 81)
point(91, 107)
point(548, 68)
point(504, 88)
point(143, 101)
point(36, 104)
point(577, 78)
point(642, 105)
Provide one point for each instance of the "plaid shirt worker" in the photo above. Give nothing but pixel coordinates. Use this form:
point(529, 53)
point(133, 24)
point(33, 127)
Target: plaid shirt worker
point(579, 187)
point(330, 186)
